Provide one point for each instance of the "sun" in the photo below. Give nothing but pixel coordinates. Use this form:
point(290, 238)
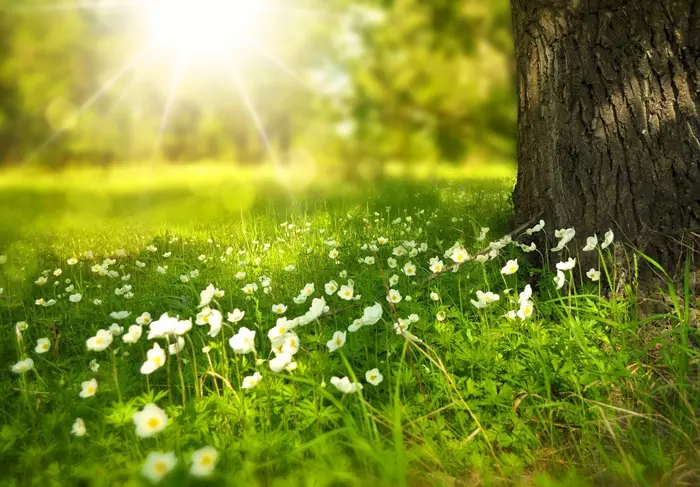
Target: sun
point(204, 27)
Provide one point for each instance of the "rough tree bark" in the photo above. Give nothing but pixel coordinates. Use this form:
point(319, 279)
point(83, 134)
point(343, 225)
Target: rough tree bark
point(608, 121)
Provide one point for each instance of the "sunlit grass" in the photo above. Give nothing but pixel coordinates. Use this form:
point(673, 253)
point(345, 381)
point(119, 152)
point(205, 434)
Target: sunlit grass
point(583, 391)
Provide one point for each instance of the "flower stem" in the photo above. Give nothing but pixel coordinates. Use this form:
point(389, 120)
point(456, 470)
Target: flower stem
point(115, 374)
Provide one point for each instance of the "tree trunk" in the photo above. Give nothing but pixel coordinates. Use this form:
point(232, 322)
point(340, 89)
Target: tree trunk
point(608, 127)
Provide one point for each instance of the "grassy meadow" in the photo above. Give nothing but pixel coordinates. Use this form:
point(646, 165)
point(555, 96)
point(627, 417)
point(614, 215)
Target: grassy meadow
point(209, 325)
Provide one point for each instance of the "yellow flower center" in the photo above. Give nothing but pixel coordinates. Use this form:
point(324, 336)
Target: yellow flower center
point(160, 467)
point(90, 390)
point(98, 341)
point(283, 330)
point(338, 341)
point(153, 423)
point(205, 318)
point(45, 347)
point(372, 377)
point(206, 460)
point(156, 360)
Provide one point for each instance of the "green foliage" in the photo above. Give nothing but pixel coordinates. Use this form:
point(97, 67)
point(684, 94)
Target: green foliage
point(412, 81)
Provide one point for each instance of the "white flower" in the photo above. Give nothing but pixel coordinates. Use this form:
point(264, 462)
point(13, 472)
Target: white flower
point(101, 340)
point(291, 343)
point(308, 289)
point(481, 258)
point(290, 268)
point(23, 366)
point(336, 342)
point(374, 377)
point(144, 319)
point(356, 325)
point(528, 248)
point(567, 266)
point(345, 386)
point(57, 272)
point(251, 381)
point(435, 296)
point(372, 315)
point(440, 316)
point(526, 309)
point(536, 228)
point(399, 251)
point(158, 465)
point(204, 461)
point(369, 260)
point(560, 279)
point(593, 275)
point(394, 296)
point(346, 292)
point(42, 345)
point(3, 259)
point(20, 326)
point(281, 361)
point(206, 296)
point(511, 267)
point(152, 248)
point(459, 255)
point(175, 348)
point(78, 428)
point(391, 262)
point(250, 289)
point(484, 299)
point(609, 237)
point(162, 269)
point(155, 359)
point(41, 281)
point(565, 235)
point(150, 420)
point(140, 264)
point(591, 243)
point(482, 234)
point(243, 342)
point(115, 329)
point(97, 302)
point(409, 269)
point(436, 265)
point(279, 308)
point(94, 366)
point(331, 287)
point(394, 280)
point(236, 315)
point(184, 278)
point(119, 315)
point(211, 317)
point(89, 387)
point(525, 294)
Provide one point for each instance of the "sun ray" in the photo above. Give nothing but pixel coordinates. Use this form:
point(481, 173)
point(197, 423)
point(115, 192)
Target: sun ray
point(138, 76)
point(128, 66)
point(250, 107)
point(174, 85)
point(277, 61)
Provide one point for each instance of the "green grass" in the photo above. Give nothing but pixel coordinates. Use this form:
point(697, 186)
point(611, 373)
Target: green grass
point(586, 391)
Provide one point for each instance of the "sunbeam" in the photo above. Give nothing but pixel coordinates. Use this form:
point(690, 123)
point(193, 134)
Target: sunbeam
point(132, 63)
point(174, 85)
point(250, 107)
point(278, 62)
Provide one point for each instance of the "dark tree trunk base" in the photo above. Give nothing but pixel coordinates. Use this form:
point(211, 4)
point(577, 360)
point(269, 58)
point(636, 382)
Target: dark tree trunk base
point(609, 127)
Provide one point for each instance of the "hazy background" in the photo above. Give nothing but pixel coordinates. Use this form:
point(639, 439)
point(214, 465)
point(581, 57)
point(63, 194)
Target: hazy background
point(342, 83)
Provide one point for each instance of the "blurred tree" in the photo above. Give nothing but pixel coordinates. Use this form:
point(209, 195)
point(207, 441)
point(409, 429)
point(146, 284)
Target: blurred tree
point(609, 119)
